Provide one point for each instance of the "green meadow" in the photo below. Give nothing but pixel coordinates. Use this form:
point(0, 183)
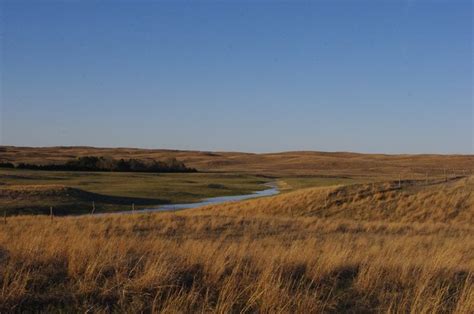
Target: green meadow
point(29, 191)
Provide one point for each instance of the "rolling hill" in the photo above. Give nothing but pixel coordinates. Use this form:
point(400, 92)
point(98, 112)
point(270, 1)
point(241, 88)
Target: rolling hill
point(439, 201)
point(271, 164)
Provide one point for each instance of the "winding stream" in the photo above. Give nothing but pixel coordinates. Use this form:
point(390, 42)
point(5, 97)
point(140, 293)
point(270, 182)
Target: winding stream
point(272, 190)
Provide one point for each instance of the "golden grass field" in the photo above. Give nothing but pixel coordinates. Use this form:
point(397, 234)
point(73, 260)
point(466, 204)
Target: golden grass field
point(375, 246)
point(267, 255)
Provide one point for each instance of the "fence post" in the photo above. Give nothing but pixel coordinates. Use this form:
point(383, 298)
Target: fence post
point(133, 207)
point(93, 208)
point(51, 212)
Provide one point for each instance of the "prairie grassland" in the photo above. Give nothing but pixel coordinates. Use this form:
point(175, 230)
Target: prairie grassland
point(222, 174)
point(198, 261)
point(337, 164)
point(413, 201)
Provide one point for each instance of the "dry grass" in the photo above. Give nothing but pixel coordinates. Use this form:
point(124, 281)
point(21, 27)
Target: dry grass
point(197, 261)
point(275, 164)
point(450, 202)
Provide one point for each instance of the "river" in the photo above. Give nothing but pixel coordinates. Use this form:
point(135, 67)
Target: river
point(272, 190)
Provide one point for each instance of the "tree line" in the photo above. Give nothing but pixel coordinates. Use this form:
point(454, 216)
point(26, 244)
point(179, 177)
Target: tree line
point(93, 163)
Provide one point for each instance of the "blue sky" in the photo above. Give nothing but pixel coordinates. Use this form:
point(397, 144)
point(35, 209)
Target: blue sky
point(259, 76)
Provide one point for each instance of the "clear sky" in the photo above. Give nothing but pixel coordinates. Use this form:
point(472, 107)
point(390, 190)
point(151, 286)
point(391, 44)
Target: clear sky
point(366, 76)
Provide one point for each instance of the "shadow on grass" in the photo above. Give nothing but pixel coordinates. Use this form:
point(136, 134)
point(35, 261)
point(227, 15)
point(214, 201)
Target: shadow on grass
point(67, 201)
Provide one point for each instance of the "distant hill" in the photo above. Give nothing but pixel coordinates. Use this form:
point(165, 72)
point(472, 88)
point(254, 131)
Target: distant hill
point(273, 164)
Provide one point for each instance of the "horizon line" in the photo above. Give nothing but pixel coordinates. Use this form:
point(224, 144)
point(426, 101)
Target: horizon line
point(241, 152)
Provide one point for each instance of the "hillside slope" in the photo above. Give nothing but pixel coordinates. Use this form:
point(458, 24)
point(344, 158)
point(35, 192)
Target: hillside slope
point(413, 202)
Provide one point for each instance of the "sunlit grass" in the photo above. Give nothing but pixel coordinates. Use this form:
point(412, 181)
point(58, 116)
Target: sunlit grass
point(203, 263)
point(265, 255)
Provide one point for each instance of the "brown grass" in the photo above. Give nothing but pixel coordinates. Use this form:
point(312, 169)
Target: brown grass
point(275, 164)
point(414, 201)
point(270, 261)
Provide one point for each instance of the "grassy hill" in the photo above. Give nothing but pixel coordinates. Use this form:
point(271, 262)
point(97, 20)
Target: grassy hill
point(275, 164)
point(412, 201)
